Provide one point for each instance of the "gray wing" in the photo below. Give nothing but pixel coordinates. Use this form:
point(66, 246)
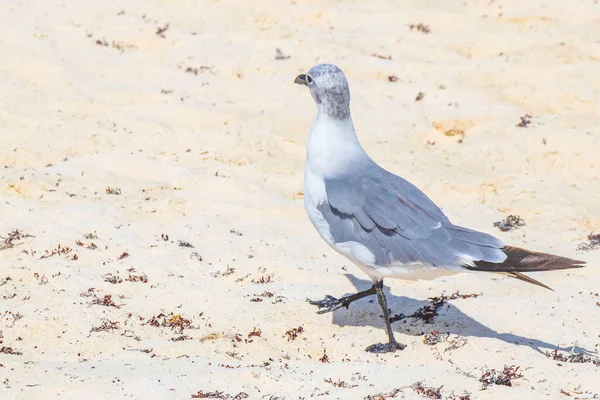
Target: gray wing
point(399, 224)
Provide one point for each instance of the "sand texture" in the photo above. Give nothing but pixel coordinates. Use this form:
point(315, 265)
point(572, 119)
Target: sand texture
point(154, 240)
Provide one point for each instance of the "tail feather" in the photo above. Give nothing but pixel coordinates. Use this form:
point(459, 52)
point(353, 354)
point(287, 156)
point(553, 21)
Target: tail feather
point(519, 260)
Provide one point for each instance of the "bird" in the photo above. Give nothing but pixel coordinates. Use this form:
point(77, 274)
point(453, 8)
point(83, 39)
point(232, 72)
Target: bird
point(381, 222)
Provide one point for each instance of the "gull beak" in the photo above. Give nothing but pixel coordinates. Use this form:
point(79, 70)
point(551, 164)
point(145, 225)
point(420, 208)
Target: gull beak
point(301, 80)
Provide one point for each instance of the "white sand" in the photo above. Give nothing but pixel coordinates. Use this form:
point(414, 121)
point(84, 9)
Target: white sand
point(196, 156)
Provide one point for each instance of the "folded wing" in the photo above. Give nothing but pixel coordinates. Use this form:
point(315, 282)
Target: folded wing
point(399, 224)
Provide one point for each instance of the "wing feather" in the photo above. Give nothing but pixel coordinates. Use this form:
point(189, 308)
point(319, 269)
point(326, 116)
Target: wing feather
point(399, 224)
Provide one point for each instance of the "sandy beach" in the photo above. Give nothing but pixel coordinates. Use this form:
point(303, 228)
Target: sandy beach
point(153, 238)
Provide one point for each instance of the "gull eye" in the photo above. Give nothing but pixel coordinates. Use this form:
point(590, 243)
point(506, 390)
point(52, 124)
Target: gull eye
point(309, 79)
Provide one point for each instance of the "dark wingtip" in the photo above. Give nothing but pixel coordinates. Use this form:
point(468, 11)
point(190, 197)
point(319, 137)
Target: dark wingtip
point(522, 260)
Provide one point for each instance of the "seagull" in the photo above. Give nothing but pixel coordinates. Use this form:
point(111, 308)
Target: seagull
point(381, 222)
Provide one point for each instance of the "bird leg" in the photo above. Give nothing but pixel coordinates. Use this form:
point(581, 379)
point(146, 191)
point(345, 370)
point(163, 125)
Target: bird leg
point(392, 344)
point(330, 303)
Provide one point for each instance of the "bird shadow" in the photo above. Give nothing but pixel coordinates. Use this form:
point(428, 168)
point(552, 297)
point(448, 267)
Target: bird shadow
point(450, 320)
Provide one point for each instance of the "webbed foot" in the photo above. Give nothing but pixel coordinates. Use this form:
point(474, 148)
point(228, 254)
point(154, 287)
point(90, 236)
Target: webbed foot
point(328, 304)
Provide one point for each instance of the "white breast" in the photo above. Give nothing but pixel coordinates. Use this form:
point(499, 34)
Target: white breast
point(314, 194)
point(331, 146)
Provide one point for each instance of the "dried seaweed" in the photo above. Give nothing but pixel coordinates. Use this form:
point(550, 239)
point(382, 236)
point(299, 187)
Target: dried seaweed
point(511, 222)
point(593, 243)
point(504, 377)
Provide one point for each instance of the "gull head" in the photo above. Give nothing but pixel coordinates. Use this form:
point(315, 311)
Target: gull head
point(329, 88)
